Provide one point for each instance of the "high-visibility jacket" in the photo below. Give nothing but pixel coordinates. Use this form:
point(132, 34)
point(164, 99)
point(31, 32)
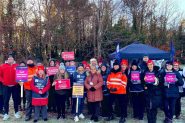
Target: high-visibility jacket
point(31, 72)
point(118, 81)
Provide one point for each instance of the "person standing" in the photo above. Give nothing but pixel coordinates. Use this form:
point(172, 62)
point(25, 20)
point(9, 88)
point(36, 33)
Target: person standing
point(136, 88)
point(94, 83)
point(79, 78)
point(61, 95)
point(40, 85)
point(153, 94)
point(171, 80)
point(11, 87)
point(32, 70)
point(1, 94)
point(117, 83)
point(52, 101)
point(105, 102)
point(176, 67)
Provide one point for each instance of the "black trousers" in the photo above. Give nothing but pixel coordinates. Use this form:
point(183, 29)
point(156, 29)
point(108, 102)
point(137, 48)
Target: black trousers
point(52, 102)
point(152, 115)
point(178, 107)
point(104, 106)
point(95, 109)
point(28, 95)
point(169, 107)
point(60, 100)
point(8, 91)
point(138, 101)
point(1, 102)
point(122, 99)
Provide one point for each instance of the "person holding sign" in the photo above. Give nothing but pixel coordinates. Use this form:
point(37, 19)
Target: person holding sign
point(61, 94)
point(153, 94)
point(94, 83)
point(171, 79)
point(8, 75)
point(117, 84)
point(136, 88)
point(40, 85)
point(79, 78)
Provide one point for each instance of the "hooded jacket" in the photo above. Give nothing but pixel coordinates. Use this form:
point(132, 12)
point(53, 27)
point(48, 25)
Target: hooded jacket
point(117, 80)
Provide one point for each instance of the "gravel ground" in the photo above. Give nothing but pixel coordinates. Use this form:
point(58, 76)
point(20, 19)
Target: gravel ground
point(69, 119)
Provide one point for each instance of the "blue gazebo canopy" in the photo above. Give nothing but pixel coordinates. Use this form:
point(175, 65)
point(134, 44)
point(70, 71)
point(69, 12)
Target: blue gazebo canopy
point(137, 50)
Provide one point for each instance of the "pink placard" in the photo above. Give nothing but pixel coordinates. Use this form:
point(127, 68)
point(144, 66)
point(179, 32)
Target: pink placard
point(68, 55)
point(62, 84)
point(170, 78)
point(51, 70)
point(135, 76)
point(21, 74)
point(149, 77)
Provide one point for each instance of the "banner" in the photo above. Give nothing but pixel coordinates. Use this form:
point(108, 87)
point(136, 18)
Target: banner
point(51, 70)
point(135, 76)
point(150, 77)
point(62, 84)
point(68, 55)
point(78, 91)
point(21, 74)
point(170, 78)
point(71, 69)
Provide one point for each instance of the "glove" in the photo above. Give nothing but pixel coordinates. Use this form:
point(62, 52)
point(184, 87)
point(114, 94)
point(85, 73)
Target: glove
point(156, 81)
point(113, 89)
point(92, 89)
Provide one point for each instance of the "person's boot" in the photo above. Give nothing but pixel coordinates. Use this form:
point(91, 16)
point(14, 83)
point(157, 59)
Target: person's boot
point(63, 116)
point(110, 118)
point(92, 117)
point(58, 117)
point(96, 119)
point(122, 120)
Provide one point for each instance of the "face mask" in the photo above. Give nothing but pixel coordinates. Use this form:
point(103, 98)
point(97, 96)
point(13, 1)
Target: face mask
point(30, 65)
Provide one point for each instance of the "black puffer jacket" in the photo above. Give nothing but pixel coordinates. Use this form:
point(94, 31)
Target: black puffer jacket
point(153, 93)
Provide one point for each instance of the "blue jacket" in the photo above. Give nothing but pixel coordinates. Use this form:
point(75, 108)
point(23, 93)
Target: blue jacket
point(104, 87)
point(171, 89)
point(79, 78)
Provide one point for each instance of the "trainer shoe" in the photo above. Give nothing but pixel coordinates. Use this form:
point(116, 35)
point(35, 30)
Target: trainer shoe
point(6, 117)
point(17, 115)
point(76, 119)
point(81, 116)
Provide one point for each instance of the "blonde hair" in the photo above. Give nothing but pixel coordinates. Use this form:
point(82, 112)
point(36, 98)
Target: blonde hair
point(59, 75)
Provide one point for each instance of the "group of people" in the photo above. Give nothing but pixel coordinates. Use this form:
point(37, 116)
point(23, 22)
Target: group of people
point(140, 84)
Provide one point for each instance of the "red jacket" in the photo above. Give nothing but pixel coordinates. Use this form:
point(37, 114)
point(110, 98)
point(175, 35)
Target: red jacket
point(0, 74)
point(40, 101)
point(8, 73)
